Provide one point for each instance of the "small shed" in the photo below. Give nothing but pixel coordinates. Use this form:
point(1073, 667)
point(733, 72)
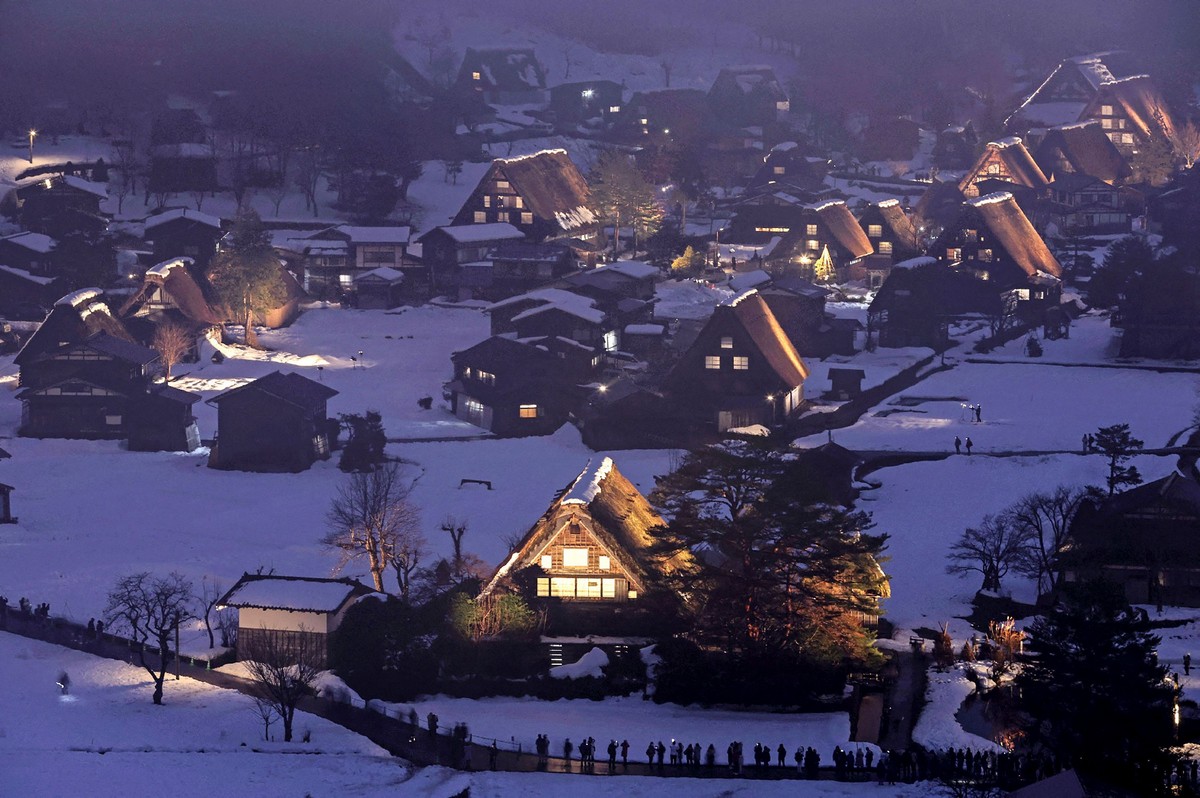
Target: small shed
point(380, 288)
point(846, 383)
point(275, 423)
point(290, 613)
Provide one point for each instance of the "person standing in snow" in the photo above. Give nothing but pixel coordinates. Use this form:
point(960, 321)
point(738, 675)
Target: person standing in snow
point(650, 753)
point(612, 756)
point(969, 445)
point(625, 754)
point(567, 749)
point(1187, 664)
point(957, 445)
point(978, 414)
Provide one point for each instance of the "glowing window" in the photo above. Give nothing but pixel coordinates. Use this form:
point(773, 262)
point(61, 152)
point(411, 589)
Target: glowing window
point(727, 342)
point(502, 185)
point(575, 558)
point(874, 230)
point(547, 562)
point(779, 170)
point(528, 411)
point(712, 361)
point(563, 586)
point(588, 588)
point(885, 247)
point(526, 218)
point(476, 76)
point(1106, 110)
point(480, 217)
point(605, 563)
point(614, 109)
point(543, 586)
point(810, 229)
point(741, 363)
point(812, 244)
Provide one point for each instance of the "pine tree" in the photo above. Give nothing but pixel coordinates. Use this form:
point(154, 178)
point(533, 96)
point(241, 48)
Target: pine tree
point(1095, 692)
point(246, 274)
point(1116, 443)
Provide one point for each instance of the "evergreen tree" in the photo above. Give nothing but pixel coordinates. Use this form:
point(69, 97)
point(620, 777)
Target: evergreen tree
point(1095, 692)
point(772, 569)
point(1116, 443)
point(364, 448)
point(1123, 259)
point(245, 274)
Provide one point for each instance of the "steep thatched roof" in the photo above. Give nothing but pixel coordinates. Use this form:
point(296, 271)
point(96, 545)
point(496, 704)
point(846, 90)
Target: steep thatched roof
point(74, 318)
point(751, 311)
point(175, 278)
point(896, 219)
point(607, 505)
point(1085, 147)
point(551, 185)
point(1015, 159)
point(1005, 219)
point(1142, 103)
point(843, 227)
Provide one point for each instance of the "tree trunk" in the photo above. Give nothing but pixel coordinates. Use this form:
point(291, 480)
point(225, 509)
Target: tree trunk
point(288, 715)
point(250, 336)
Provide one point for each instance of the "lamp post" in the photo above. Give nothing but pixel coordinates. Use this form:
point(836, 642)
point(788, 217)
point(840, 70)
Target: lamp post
point(32, 134)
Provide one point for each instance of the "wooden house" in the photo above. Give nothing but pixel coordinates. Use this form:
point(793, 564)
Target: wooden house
point(740, 371)
point(275, 423)
point(921, 297)
point(183, 233)
point(73, 319)
point(799, 307)
point(788, 168)
point(61, 205)
point(826, 244)
point(994, 240)
point(686, 113)
point(1131, 112)
point(1143, 540)
point(937, 207)
point(162, 420)
point(24, 296)
point(556, 312)
point(589, 558)
point(290, 613)
point(445, 250)
point(543, 195)
point(173, 290)
point(335, 256)
point(381, 288)
point(1087, 205)
point(955, 147)
point(503, 76)
point(892, 236)
point(748, 95)
point(1007, 159)
point(516, 266)
point(1081, 149)
point(521, 387)
point(29, 252)
point(1064, 95)
point(845, 383)
point(623, 279)
point(572, 103)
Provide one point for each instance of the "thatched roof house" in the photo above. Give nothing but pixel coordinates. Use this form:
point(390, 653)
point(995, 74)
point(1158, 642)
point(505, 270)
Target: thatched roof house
point(1083, 149)
point(593, 544)
point(1007, 159)
point(995, 239)
point(73, 319)
point(172, 286)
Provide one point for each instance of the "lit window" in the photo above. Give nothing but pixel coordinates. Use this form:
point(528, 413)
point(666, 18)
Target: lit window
point(1106, 110)
point(547, 562)
point(112, 421)
point(1126, 138)
point(1106, 124)
point(480, 217)
point(563, 586)
point(727, 342)
point(502, 185)
point(485, 377)
point(813, 244)
point(587, 588)
point(782, 105)
point(779, 170)
point(605, 563)
point(609, 589)
point(741, 363)
point(953, 253)
point(712, 361)
point(575, 558)
point(985, 255)
point(476, 76)
point(526, 218)
point(529, 411)
point(614, 109)
point(810, 229)
point(644, 121)
point(543, 586)
point(993, 169)
point(885, 247)
point(487, 201)
point(874, 230)
point(632, 593)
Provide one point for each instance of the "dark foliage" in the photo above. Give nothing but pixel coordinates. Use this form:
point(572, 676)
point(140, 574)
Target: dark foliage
point(364, 448)
point(383, 649)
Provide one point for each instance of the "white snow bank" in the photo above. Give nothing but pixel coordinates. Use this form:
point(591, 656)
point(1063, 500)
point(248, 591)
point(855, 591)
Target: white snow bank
point(938, 727)
point(590, 664)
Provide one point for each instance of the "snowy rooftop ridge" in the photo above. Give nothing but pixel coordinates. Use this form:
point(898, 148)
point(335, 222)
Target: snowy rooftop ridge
point(587, 486)
point(889, 203)
point(292, 593)
point(820, 206)
point(97, 189)
point(1006, 142)
point(912, 263)
point(1115, 81)
point(1077, 125)
point(569, 220)
point(182, 213)
point(36, 242)
point(990, 199)
point(77, 298)
point(637, 269)
point(735, 300)
point(532, 155)
point(24, 275)
point(163, 269)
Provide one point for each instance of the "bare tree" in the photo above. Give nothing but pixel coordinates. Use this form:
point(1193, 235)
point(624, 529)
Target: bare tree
point(150, 609)
point(284, 668)
point(1043, 520)
point(125, 159)
point(457, 530)
point(406, 560)
point(172, 341)
point(1186, 143)
point(198, 195)
point(210, 594)
point(372, 517)
point(308, 174)
point(991, 549)
point(265, 711)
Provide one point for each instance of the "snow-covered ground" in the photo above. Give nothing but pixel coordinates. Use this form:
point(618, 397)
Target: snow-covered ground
point(938, 728)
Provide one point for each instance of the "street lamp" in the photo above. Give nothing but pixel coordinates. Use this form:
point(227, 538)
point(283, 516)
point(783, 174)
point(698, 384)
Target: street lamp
point(32, 134)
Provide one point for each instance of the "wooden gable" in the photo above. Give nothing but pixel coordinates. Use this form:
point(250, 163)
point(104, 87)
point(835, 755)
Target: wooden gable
point(582, 561)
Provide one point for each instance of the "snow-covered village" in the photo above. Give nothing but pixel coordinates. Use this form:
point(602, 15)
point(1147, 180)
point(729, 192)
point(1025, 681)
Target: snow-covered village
point(464, 400)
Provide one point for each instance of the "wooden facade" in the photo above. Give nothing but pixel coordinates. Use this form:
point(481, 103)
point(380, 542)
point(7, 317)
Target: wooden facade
point(275, 423)
point(184, 233)
point(1007, 160)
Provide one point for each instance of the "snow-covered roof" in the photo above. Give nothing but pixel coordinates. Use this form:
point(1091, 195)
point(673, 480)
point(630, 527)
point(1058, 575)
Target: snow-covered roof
point(77, 298)
point(747, 280)
point(820, 206)
point(164, 268)
point(889, 203)
point(36, 242)
point(381, 273)
point(492, 231)
point(912, 263)
point(644, 329)
point(1007, 141)
point(98, 189)
point(556, 296)
point(292, 593)
point(24, 275)
point(182, 213)
point(377, 235)
point(577, 309)
point(587, 485)
point(631, 268)
point(784, 146)
point(991, 199)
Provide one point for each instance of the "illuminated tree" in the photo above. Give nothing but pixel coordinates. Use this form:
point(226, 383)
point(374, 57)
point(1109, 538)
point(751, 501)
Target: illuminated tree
point(823, 269)
point(245, 274)
point(150, 609)
point(1186, 143)
point(172, 342)
point(372, 517)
